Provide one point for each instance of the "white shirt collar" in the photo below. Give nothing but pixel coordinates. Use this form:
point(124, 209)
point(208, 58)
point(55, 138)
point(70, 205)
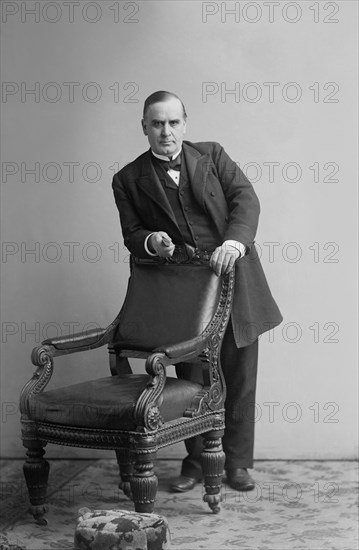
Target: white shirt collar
point(163, 157)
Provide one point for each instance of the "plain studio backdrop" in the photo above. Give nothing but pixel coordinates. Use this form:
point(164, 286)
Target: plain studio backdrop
point(275, 84)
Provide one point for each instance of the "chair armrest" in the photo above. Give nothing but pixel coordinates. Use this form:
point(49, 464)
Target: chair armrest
point(43, 357)
point(185, 350)
point(83, 340)
point(174, 353)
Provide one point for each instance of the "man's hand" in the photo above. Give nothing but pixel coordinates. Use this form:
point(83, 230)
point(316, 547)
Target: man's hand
point(223, 258)
point(161, 244)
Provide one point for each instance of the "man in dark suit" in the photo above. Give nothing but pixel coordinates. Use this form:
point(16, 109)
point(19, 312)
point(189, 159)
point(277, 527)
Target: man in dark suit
point(181, 192)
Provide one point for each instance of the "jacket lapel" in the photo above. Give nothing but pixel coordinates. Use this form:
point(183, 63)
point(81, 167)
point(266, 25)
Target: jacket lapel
point(197, 172)
point(151, 185)
point(199, 168)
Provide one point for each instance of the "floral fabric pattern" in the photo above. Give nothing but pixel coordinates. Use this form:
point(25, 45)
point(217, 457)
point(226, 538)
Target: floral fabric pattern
point(296, 505)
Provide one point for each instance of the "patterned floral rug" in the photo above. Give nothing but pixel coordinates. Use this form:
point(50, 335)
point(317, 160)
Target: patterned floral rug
point(296, 505)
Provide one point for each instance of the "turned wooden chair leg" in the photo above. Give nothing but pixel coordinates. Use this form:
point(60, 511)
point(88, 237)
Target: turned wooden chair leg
point(144, 482)
point(126, 471)
point(36, 471)
point(212, 458)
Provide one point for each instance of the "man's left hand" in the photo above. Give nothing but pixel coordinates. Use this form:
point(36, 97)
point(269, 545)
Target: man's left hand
point(223, 258)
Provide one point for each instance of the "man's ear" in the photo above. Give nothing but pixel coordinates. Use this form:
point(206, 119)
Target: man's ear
point(144, 127)
point(184, 127)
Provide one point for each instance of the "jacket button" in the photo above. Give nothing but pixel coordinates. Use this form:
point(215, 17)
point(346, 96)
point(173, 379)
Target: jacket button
point(212, 194)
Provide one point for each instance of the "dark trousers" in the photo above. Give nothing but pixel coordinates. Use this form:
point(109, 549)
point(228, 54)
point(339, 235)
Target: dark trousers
point(239, 366)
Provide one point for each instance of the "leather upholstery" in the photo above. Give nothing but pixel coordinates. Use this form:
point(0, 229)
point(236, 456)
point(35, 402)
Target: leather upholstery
point(79, 339)
point(109, 402)
point(167, 305)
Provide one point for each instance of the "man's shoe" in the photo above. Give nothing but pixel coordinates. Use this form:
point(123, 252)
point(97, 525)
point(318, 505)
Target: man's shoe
point(183, 484)
point(240, 480)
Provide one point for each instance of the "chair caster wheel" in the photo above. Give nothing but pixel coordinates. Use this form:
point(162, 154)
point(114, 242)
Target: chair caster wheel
point(38, 512)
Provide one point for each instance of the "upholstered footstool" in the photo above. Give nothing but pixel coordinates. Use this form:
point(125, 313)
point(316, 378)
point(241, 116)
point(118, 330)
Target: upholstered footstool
point(120, 530)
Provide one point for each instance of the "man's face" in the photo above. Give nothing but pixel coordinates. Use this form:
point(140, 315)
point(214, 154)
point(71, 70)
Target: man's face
point(165, 126)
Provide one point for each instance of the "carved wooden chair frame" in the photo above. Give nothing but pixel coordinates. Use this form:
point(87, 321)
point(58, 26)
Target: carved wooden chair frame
point(135, 450)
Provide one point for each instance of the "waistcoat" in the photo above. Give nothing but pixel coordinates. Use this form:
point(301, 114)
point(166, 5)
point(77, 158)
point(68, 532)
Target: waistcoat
point(195, 225)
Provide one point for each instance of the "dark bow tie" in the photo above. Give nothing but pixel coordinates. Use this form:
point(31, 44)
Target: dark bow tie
point(174, 164)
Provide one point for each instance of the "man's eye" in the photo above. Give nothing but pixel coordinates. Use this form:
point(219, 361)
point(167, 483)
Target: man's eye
point(174, 122)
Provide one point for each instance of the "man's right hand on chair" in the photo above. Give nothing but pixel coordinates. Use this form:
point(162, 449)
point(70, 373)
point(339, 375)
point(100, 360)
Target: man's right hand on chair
point(161, 244)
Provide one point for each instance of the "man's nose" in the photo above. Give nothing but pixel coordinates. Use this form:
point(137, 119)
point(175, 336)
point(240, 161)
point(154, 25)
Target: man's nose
point(166, 130)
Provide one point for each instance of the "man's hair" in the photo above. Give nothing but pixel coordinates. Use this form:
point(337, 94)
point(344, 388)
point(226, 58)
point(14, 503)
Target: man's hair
point(161, 95)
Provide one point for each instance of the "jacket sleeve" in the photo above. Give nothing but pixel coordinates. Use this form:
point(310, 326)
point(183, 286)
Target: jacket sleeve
point(133, 231)
point(242, 201)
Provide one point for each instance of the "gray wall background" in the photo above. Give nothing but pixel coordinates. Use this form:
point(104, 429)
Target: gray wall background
point(275, 84)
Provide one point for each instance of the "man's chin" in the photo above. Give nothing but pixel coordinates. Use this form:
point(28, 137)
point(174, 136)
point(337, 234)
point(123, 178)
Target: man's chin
point(168, 150)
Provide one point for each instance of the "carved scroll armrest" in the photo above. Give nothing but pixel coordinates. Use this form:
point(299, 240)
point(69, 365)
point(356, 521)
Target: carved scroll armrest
point(147, 413)
point(183, 351)
point(42, 356)
point(79, 341)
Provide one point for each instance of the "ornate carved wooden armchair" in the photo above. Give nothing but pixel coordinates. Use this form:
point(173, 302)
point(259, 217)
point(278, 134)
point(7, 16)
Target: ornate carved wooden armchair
point(174, 311)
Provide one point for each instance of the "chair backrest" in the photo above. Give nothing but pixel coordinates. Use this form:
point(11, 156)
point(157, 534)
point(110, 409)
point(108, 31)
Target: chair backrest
point(166, 303)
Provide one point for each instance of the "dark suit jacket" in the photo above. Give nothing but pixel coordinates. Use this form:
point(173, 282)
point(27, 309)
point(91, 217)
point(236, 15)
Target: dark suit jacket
point(228, 198)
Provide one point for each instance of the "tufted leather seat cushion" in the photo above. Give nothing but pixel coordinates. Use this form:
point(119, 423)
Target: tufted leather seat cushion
point(109, 402)
point(167, 304)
